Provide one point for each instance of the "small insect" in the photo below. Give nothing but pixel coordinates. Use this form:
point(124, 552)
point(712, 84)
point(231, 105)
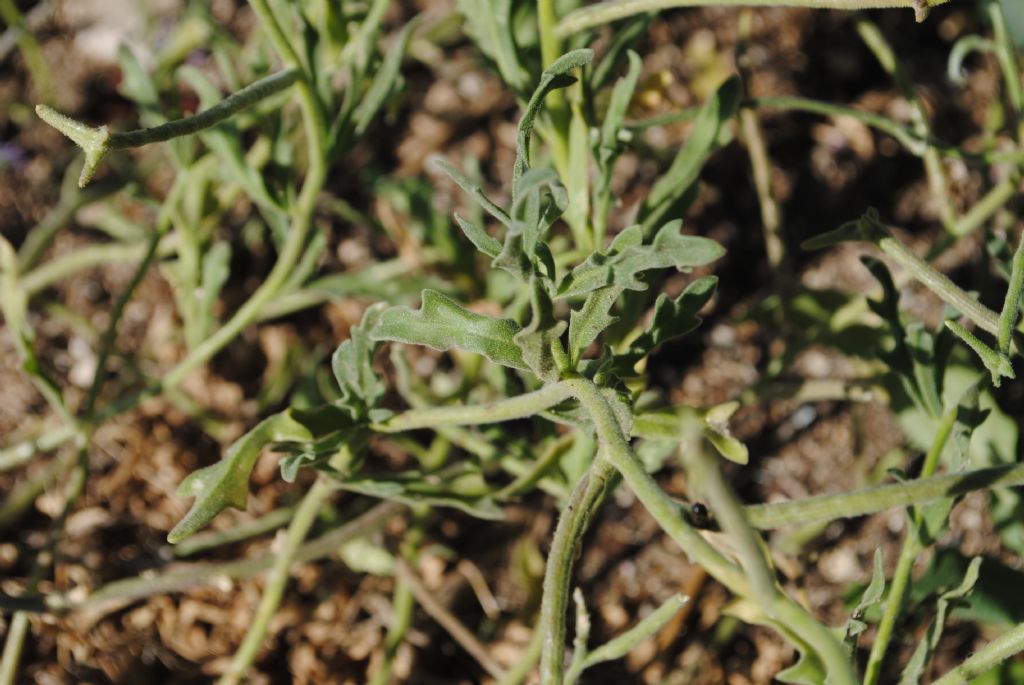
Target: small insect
point(700, 517)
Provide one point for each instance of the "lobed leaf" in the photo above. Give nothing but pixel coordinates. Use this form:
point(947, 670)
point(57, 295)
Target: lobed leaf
point(554, 77)
point(673, 318)
point(226, 483)
point(622, 268)
point(871, 597)
point(442, 323)
point(914, 670)
point(352, 363)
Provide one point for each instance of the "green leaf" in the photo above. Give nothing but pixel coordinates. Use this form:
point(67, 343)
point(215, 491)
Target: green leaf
point(137, 85)
point(537, 338)
point(623, 37)
point(912, 357)
point(489, 22)
point(808, 668)
point(479, 237)
point(622, 268)
point(554, 77)
point(352, 363)
point(852, 231)
point(226, 483)
point(716, 430)
point(474, 191)
point(615, 116)
point(587, 322)
point(871, 597)
point(385, 81)
point(914, 669)
point(690, 159)
point(674, 318)
point(442, 324)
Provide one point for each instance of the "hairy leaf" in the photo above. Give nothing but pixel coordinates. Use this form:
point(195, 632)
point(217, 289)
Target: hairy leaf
point(716, 430)
point(490, 23)
point(474, 191)
point(352, 363)
point(673, 318)
point(226, 483)
point(618, 647)
point(537, 338)
point(623, 268)
point(554, 77)
point(442, 324)
point(587, 322)
point(479, 237)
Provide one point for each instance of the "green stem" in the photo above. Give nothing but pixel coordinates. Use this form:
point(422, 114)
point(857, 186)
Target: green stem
point(1006, 53)
point(572, 524)
point(277, 580)
point(906, 137)
point(557, 134)
point(31, 51)
point(316, 139)
point(939, 284)
point(71, 200)
point(96, 142)
point(17, 454)
point(403, 604)
point(912, 547)
point(1011, 304)
point(518, 407)
point(604, 13)
point(56, 270)
point(79, 475)
point(662, 508)
point(519, 671)
point(871, 500)
point(706, 479)
point(989, 656)
point(990, 203)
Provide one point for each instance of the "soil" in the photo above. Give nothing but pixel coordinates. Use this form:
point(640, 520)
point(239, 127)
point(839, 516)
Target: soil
point(333, 621)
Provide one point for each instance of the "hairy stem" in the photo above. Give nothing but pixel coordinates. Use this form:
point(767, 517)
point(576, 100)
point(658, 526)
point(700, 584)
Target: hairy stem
point(661, 507)
point(992, 654)
point(572, 524)
point(871, 500)
point(940, 284)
